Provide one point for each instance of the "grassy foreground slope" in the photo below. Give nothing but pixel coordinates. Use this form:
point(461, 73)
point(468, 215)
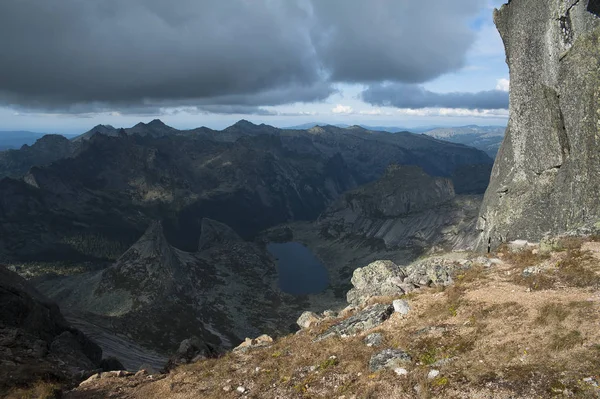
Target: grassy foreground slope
point(526, 327)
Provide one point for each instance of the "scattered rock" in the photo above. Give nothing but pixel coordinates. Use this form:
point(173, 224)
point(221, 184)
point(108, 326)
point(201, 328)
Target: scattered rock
point(148, 369)
point(388, 359)
point(375, 339)
point(262, 341)
point(115, 374)
point(92, 378)
point(366, 319)
point(329, 314)
point(520, 245)
point(401, 371)
point(308, 319)
point(241, 389)
point(380, 278)
point(401, 306)
point(142, 373)
point(436, 271)
point(347, 311)
point(433, 374)
point(530, 271)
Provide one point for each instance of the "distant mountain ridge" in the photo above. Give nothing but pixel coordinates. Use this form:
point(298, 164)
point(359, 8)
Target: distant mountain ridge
point(485, 138)
point(12, 140)
point(92, 200)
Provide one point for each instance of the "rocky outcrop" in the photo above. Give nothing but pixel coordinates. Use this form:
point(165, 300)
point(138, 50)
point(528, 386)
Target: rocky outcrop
point(384, 278)
point(547, 173)
point(36, 343)
point(380, 278)
point(405, 208)
point(366, 319)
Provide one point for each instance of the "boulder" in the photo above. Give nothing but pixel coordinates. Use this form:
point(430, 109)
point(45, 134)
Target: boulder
point(436, 271)
point(363, 320)
point(262, 341)
point(389, 359)
point(308, 319)
point(380, 278)
point(401, 306)
point(375, 339)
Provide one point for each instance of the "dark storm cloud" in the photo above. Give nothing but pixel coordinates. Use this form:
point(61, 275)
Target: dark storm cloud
point(113, 54)
point(414, 96)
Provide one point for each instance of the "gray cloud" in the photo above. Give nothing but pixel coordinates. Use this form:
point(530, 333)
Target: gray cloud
point(74, 55)
point(415, 96)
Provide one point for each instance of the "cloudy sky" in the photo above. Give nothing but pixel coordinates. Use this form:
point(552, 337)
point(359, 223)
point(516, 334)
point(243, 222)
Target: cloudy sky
point(67, 65)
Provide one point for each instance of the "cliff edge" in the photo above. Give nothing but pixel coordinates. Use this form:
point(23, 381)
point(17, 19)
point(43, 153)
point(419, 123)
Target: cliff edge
point(547, 174)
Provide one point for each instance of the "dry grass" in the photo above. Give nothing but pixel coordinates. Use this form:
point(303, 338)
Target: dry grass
point(524, 258)
point(554, 313)
point(39, 390)
point(487, 334)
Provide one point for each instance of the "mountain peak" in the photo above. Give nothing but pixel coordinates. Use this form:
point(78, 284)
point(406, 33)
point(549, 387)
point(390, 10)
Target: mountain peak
point(150, 256)
point(243, 123)
point(157, 123)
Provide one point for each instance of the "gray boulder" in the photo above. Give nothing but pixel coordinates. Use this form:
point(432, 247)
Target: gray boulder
point(364, 320)
point(401, 306)
point(308, 319)
point(388, 359)
point(436, 271)
point(380, 278)
point(375, 339)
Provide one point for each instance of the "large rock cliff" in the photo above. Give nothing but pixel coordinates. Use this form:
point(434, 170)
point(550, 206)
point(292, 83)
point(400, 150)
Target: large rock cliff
point(547, 174)
point(406, 208)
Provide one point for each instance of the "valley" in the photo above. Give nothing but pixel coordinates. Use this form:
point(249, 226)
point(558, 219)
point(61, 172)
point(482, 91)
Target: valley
point(150, 236)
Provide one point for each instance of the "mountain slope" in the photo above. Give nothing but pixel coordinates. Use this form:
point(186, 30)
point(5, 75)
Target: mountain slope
point(36, 343)
point(406, 208)
point(158, 296)
point(485, 138)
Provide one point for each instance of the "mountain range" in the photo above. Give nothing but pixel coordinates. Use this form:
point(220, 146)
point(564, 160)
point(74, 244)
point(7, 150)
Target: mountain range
point(133, 231)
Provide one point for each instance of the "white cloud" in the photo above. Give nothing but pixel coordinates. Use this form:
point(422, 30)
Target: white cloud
point(342, 109)
point(503, 84)
point(454, 112)
point(374, 112)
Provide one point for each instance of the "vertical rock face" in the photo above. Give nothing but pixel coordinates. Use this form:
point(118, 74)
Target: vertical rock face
point(547, 174)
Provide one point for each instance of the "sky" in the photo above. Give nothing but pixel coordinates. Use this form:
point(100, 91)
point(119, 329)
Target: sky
point(68, 65)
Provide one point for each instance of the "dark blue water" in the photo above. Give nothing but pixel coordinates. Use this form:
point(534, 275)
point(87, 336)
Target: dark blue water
point(300, 272)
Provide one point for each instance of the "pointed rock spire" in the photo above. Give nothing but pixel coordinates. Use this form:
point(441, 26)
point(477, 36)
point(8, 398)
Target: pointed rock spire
point(150, 257)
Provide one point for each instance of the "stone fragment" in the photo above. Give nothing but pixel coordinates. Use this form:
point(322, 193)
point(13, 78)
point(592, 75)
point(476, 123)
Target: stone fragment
point(375, 339)
point(401, 306)
point(308, 319)
point(388, 359)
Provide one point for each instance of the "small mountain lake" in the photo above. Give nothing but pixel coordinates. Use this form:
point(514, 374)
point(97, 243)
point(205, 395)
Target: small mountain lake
point(299, 270)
